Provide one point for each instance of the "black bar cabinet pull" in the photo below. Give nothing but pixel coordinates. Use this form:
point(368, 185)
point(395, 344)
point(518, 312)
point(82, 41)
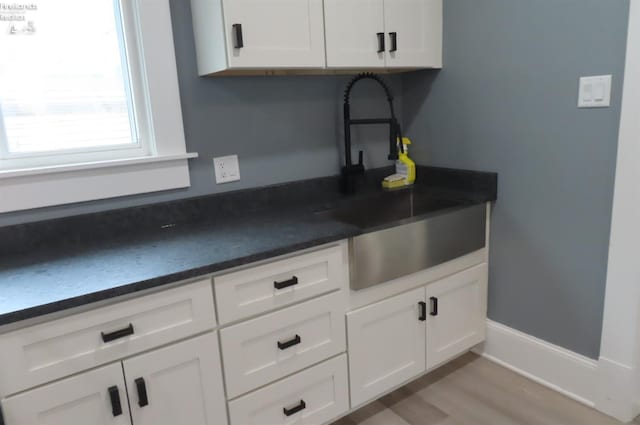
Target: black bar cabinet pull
point(237, 30)
point(434, 306)
point(143, 399)
point(114, 396)
point(286, 283)
point(301, 406)
point(293, 341)
point(117, 334)
point(393, 36)
point(380, 42)
point(423, 311)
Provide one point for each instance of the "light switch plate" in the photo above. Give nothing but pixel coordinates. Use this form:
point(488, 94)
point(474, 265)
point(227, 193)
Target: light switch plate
point(595, 92)
point(227, 169)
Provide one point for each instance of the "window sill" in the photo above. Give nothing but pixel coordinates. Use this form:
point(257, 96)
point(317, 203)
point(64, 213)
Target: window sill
point(93, 165)
point(59, 185)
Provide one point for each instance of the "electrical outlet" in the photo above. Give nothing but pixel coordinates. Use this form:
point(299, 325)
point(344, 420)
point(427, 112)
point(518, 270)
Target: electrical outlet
point(227, 169)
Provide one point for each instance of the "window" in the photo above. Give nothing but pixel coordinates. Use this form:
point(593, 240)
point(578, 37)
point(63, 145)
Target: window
point(68, 79)
point(76, 94)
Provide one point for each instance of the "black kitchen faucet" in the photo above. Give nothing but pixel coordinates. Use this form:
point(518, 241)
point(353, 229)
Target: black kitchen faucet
point(351, 171)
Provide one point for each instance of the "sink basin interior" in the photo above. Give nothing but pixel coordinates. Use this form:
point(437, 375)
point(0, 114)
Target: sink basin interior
point(387, 207)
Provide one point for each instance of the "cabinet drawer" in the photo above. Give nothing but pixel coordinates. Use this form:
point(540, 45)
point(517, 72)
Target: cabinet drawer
point(262, 350)
point(259, 289)
point(45, 352)
point(314, 396)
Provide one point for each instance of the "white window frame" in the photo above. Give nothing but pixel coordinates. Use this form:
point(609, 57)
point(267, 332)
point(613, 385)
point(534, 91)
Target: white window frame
point(163, 167)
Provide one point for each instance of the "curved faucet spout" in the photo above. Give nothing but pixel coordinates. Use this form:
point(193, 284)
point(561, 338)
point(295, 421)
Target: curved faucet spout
point(394, 127)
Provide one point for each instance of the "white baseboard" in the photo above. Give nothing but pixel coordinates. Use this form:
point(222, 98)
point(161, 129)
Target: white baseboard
point(562, 370)
point(618, 389)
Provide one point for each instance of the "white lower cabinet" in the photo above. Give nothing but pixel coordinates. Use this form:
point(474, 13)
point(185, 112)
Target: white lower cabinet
point(98, 397)
point(272, 346)
point(386, 345)
point(313, 396)
point(113, 365)
point(48, 351)
point(181, 383)
point(457, 311)
point(257, 290)
point(394, 340)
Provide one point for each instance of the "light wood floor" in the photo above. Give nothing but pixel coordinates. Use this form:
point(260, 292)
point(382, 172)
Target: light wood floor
point(474, 391)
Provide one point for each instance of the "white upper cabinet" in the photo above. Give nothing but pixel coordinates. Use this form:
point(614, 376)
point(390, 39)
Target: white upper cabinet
point(236, 36)
point(258, 34)
point(383, 33)
point(414, 33)
point(354, 30)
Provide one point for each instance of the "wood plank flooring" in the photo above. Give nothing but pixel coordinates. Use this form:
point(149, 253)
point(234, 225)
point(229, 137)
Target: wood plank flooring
point(474, 391)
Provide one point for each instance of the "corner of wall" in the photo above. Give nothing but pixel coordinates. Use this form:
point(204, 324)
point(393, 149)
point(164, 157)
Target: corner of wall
point(619, 371)
point(616, 393)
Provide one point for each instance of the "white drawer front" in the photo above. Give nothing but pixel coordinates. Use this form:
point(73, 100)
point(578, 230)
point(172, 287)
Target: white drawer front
point(253, 291)
point(52, 350)
point(315, 396)
point(262, 350)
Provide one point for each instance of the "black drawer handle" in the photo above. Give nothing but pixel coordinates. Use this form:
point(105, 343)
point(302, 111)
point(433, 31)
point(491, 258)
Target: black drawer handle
point(286, 283)
point(237, 30)
point(117, 334)
point(287, 344)
point(380, 42)
point(114, 396)
point(393, 36)
point(434, 306)
point(301, 406)
point(143, 399)
point(423, 311)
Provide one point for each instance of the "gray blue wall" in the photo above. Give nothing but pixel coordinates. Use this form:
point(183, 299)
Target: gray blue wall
point(506, 101)
point(282, 128)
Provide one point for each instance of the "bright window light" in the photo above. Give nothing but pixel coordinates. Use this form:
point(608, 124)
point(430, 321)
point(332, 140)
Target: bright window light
point(66, 83)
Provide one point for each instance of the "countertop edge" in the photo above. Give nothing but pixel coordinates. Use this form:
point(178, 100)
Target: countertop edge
point(186, 275)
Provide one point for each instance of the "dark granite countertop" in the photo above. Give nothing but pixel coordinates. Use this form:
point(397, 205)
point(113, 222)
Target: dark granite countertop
point(50, 266)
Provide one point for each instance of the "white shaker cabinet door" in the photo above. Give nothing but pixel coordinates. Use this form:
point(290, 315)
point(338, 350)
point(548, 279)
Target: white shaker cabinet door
point(386, 345)
point(354, 30)
point(263, 34)
point(457, 311)
point(414, 33)
point(98, 397)
point(178, 384)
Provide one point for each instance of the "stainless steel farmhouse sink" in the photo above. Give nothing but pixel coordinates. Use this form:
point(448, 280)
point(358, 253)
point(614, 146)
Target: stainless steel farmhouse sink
point(408, 232)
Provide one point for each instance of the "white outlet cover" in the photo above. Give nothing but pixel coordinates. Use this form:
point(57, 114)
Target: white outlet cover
point(595, 92)
point(227, 169)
